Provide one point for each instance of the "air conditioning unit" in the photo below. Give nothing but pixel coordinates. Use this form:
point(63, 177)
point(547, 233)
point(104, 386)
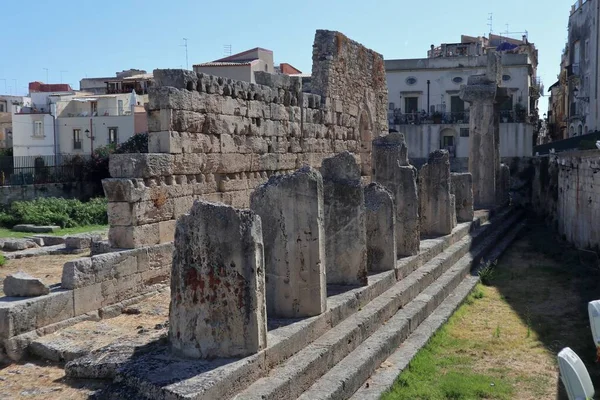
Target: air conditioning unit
point(574, 375)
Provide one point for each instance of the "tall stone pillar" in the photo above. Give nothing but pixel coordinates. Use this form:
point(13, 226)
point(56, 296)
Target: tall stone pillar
point(437, 204)
point(381, 228)
point(218, 284)
point(291, 209)
point(483, 95)
point(345, 234)
point(392, 170)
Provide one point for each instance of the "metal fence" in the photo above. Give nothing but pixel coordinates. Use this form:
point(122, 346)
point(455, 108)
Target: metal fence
point(28, 170)
point(582, 142)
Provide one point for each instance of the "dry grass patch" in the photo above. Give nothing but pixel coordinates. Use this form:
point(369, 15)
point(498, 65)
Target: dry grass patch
point(502, 343)
point(47, 268)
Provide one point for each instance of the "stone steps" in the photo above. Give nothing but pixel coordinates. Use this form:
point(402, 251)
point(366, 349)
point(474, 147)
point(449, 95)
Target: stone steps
point(300, 371)
point(383, 378)
point(410, 329)
point(285, 337)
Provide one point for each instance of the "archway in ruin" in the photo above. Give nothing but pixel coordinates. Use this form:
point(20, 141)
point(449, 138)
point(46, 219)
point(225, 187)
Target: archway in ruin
point(365, 129)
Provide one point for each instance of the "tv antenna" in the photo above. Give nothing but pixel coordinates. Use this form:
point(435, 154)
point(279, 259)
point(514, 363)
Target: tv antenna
point(227, 49)
point(186, 53)
point(491, 22)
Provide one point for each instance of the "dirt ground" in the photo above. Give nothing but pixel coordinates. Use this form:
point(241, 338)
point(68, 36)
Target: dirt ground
point(47, 268)
point(37, 379)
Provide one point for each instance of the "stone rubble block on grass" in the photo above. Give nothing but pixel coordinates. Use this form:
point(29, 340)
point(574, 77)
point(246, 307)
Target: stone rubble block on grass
point(19, 244)
point(35, 228)
point(21, 284)
point(83, 241)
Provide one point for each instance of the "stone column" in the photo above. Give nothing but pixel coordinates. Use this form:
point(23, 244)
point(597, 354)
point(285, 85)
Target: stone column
point(381, 229)
point(218, 284)
point(291, 209)
point(392, 170)
point(462, 189)
point(504, 185)
point(437, 204)
point(345, 230)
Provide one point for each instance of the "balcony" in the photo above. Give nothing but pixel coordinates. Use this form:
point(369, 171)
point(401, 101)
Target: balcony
point(396, 117)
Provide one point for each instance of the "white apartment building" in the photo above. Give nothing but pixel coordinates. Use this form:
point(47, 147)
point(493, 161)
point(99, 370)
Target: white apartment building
point(76, 123)
point(425, 105)
point(10, 105)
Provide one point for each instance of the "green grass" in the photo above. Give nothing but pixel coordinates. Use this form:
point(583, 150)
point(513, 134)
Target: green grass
point(441, 371)
point(7, 233)
point(2, 260)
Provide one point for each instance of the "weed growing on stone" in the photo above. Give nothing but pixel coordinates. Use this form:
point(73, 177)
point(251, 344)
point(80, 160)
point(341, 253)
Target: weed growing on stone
point(486, 272)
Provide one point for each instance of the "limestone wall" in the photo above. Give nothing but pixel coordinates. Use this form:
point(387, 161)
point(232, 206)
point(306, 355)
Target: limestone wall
point(566, 189)
point(218, 139)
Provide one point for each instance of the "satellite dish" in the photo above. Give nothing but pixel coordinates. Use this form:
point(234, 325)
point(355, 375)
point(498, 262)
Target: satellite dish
point(574, 375)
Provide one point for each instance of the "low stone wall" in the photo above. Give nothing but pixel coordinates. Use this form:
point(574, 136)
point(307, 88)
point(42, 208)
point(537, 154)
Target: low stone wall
point(71, 190)
point(566, 191)
point(90, 288)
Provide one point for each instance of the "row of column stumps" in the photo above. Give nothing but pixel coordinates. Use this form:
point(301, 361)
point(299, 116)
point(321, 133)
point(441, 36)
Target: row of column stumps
point(232, 268)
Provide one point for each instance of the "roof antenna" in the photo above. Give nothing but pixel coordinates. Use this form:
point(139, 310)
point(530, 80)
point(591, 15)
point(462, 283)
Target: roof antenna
point(491, 22)
point(227, 50)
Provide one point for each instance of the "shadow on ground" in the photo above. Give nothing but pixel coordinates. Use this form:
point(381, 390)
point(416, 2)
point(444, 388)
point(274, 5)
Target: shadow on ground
point(549, 284)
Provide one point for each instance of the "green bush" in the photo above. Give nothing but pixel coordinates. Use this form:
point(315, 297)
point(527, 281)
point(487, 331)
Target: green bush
point(138, 143)
point(66, 213)
point(2, 260)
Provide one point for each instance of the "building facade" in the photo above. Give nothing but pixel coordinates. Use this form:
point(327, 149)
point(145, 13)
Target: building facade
point(425, 103)
point(10, 105)
point(123, 82)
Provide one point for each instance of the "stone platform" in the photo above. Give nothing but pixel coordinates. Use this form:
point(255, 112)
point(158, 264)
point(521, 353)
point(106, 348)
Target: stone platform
point(311, 357)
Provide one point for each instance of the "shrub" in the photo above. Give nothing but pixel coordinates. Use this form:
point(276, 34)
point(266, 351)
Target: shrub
point(2, 260)
point(66, 213)
point(138, 143)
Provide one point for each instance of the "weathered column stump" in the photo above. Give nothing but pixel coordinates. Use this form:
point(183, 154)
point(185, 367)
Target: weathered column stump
point(437, 205)
point(381, 228)
point(345, 229)
point(218, 283)
point(291, 209)
point(392, 170)
point(504, 185)
point(462, 189)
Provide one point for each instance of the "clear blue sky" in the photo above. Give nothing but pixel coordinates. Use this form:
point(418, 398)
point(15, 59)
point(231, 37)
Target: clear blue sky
point(98, 38)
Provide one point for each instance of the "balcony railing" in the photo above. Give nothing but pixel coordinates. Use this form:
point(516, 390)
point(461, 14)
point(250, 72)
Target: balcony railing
point(397, 118)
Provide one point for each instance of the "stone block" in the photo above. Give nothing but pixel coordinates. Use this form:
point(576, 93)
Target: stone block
point(345, 224)
point(78, 273)
point(159, 120)
point(437, 206)
point(19, 244)
point(177, 78)
point(51, 240)
point(129, 237)
point(391, 169)
point(217, 284)
point(462, 189)
point(21, 284)
point(82, 241)
point(381, 228)
point(35, 228)
point(20, 316)
point(87, 298)
point(292, 213)
point(140, 165)
point(101, 247)
point(188, 164)
point(166, 231)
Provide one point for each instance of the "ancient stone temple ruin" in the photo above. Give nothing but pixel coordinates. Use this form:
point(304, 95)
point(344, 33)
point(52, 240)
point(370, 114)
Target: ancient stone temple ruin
point(301, 247)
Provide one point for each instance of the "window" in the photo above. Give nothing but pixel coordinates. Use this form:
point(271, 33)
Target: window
point(576, 52)
point(94, 107)
point(579, 130)
point(457, 79)
point(38, 129)
point(411, 105)
point(392, 106)
point(266, 68)
point(506, 78)
point(464, 132)
point(113, 137)
point(2, 106)
point(586, 50)
point(76, 139)
point(120, 106)
point(411, 80)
